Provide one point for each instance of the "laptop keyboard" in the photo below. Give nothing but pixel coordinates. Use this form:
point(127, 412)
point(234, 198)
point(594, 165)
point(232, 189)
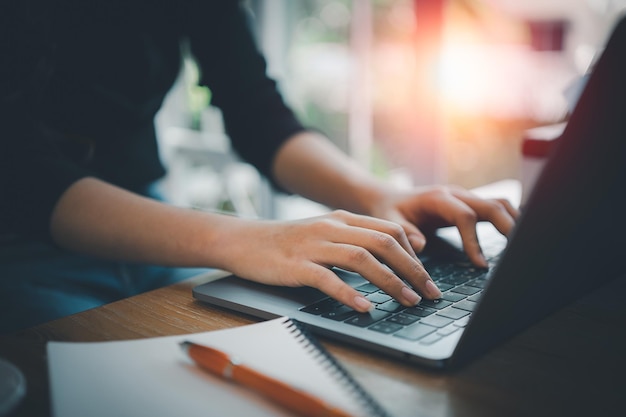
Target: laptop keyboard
point(429, 321)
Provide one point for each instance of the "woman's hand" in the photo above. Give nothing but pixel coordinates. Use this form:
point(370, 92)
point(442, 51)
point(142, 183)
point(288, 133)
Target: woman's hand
point(302, 252)
point(424, 210)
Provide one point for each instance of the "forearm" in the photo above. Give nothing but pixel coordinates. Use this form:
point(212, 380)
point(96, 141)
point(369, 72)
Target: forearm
point(313, 167)
point(102, 220)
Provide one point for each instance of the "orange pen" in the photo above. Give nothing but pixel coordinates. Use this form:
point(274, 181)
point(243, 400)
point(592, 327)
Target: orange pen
point(221, 364)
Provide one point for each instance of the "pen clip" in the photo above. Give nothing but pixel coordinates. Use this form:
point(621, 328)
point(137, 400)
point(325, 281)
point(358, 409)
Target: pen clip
point(233, 363)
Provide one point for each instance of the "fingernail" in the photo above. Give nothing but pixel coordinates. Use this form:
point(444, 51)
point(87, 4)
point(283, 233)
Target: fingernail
point(410, 295)
point(363, 304)
point(432, 289)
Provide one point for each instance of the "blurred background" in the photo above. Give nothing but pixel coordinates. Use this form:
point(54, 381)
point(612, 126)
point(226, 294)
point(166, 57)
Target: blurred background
point(418, 91)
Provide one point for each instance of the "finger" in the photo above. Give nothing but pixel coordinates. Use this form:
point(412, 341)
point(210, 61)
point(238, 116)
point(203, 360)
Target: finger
point(391, 278)
point(471, 245)
point(329, 283)
point(416, 238)
point(372, 240)
point(513, 211)
point(465, 219)
point(384, 226)
point(361, 261)
point(507, 209)
point(499, 212)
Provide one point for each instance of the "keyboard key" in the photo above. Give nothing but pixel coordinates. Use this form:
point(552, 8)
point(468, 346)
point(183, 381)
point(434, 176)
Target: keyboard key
point(436, 304)
point(437, 271)
point(436, 321)
point(340, 313)
point(478, 283)
point(391, 306)
point(475, 297)
point(385, 327)
point(448, 330)
point(461, 322)
point(321, 307)
point(403, 319)
point(367, 319)
point(367, 288)
point(415, 332)
point(378, 297)
point(420, 311)
point(466, 290)
point(453, 297)
point(430, 339)
point(453, 313)
point(455, 280)
point(471, 272)
point(466, 305)
point(443, 286)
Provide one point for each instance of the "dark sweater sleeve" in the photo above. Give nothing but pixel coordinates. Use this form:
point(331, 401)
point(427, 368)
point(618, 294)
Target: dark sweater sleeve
point(256, 117)
point(33, 174)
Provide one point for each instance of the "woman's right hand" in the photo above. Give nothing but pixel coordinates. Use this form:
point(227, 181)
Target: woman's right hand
point(302, 253)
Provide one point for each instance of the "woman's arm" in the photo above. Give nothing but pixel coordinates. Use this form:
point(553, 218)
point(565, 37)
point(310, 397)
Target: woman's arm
point(95, 217)
point(103, 220)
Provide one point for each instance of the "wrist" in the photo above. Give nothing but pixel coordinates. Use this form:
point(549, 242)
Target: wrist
point(368, 194)
point(225, 246)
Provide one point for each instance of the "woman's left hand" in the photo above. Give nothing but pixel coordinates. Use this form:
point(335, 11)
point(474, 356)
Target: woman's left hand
point(423, 210)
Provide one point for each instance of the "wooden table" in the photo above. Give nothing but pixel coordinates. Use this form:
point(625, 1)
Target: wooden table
point(573, 363)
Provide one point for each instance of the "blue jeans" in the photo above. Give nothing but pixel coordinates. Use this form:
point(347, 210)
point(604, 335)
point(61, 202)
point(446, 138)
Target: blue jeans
point(40, 282)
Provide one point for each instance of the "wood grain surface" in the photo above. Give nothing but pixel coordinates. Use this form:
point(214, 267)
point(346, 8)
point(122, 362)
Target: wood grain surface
point(572, 363)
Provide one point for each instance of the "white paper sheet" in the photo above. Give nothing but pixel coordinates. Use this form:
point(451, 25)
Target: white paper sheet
point(153, 377)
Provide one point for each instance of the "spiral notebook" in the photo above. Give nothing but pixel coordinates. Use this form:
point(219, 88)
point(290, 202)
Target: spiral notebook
point(153, 377)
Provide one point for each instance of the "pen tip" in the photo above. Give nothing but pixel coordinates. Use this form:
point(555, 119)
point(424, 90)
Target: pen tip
point(185, 345)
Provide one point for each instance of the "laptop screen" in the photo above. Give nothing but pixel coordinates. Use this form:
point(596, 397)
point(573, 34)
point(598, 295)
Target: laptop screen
point(570, 237)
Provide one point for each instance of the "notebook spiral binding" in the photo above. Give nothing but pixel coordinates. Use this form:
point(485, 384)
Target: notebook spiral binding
point(301, 332)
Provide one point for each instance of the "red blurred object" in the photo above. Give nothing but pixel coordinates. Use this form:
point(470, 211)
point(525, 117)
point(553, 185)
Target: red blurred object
point(548, 35)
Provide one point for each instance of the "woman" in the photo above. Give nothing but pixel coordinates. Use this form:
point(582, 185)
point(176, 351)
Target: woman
point(78, 225)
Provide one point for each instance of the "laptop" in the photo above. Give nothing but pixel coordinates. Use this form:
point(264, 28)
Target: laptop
point(568, 241)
